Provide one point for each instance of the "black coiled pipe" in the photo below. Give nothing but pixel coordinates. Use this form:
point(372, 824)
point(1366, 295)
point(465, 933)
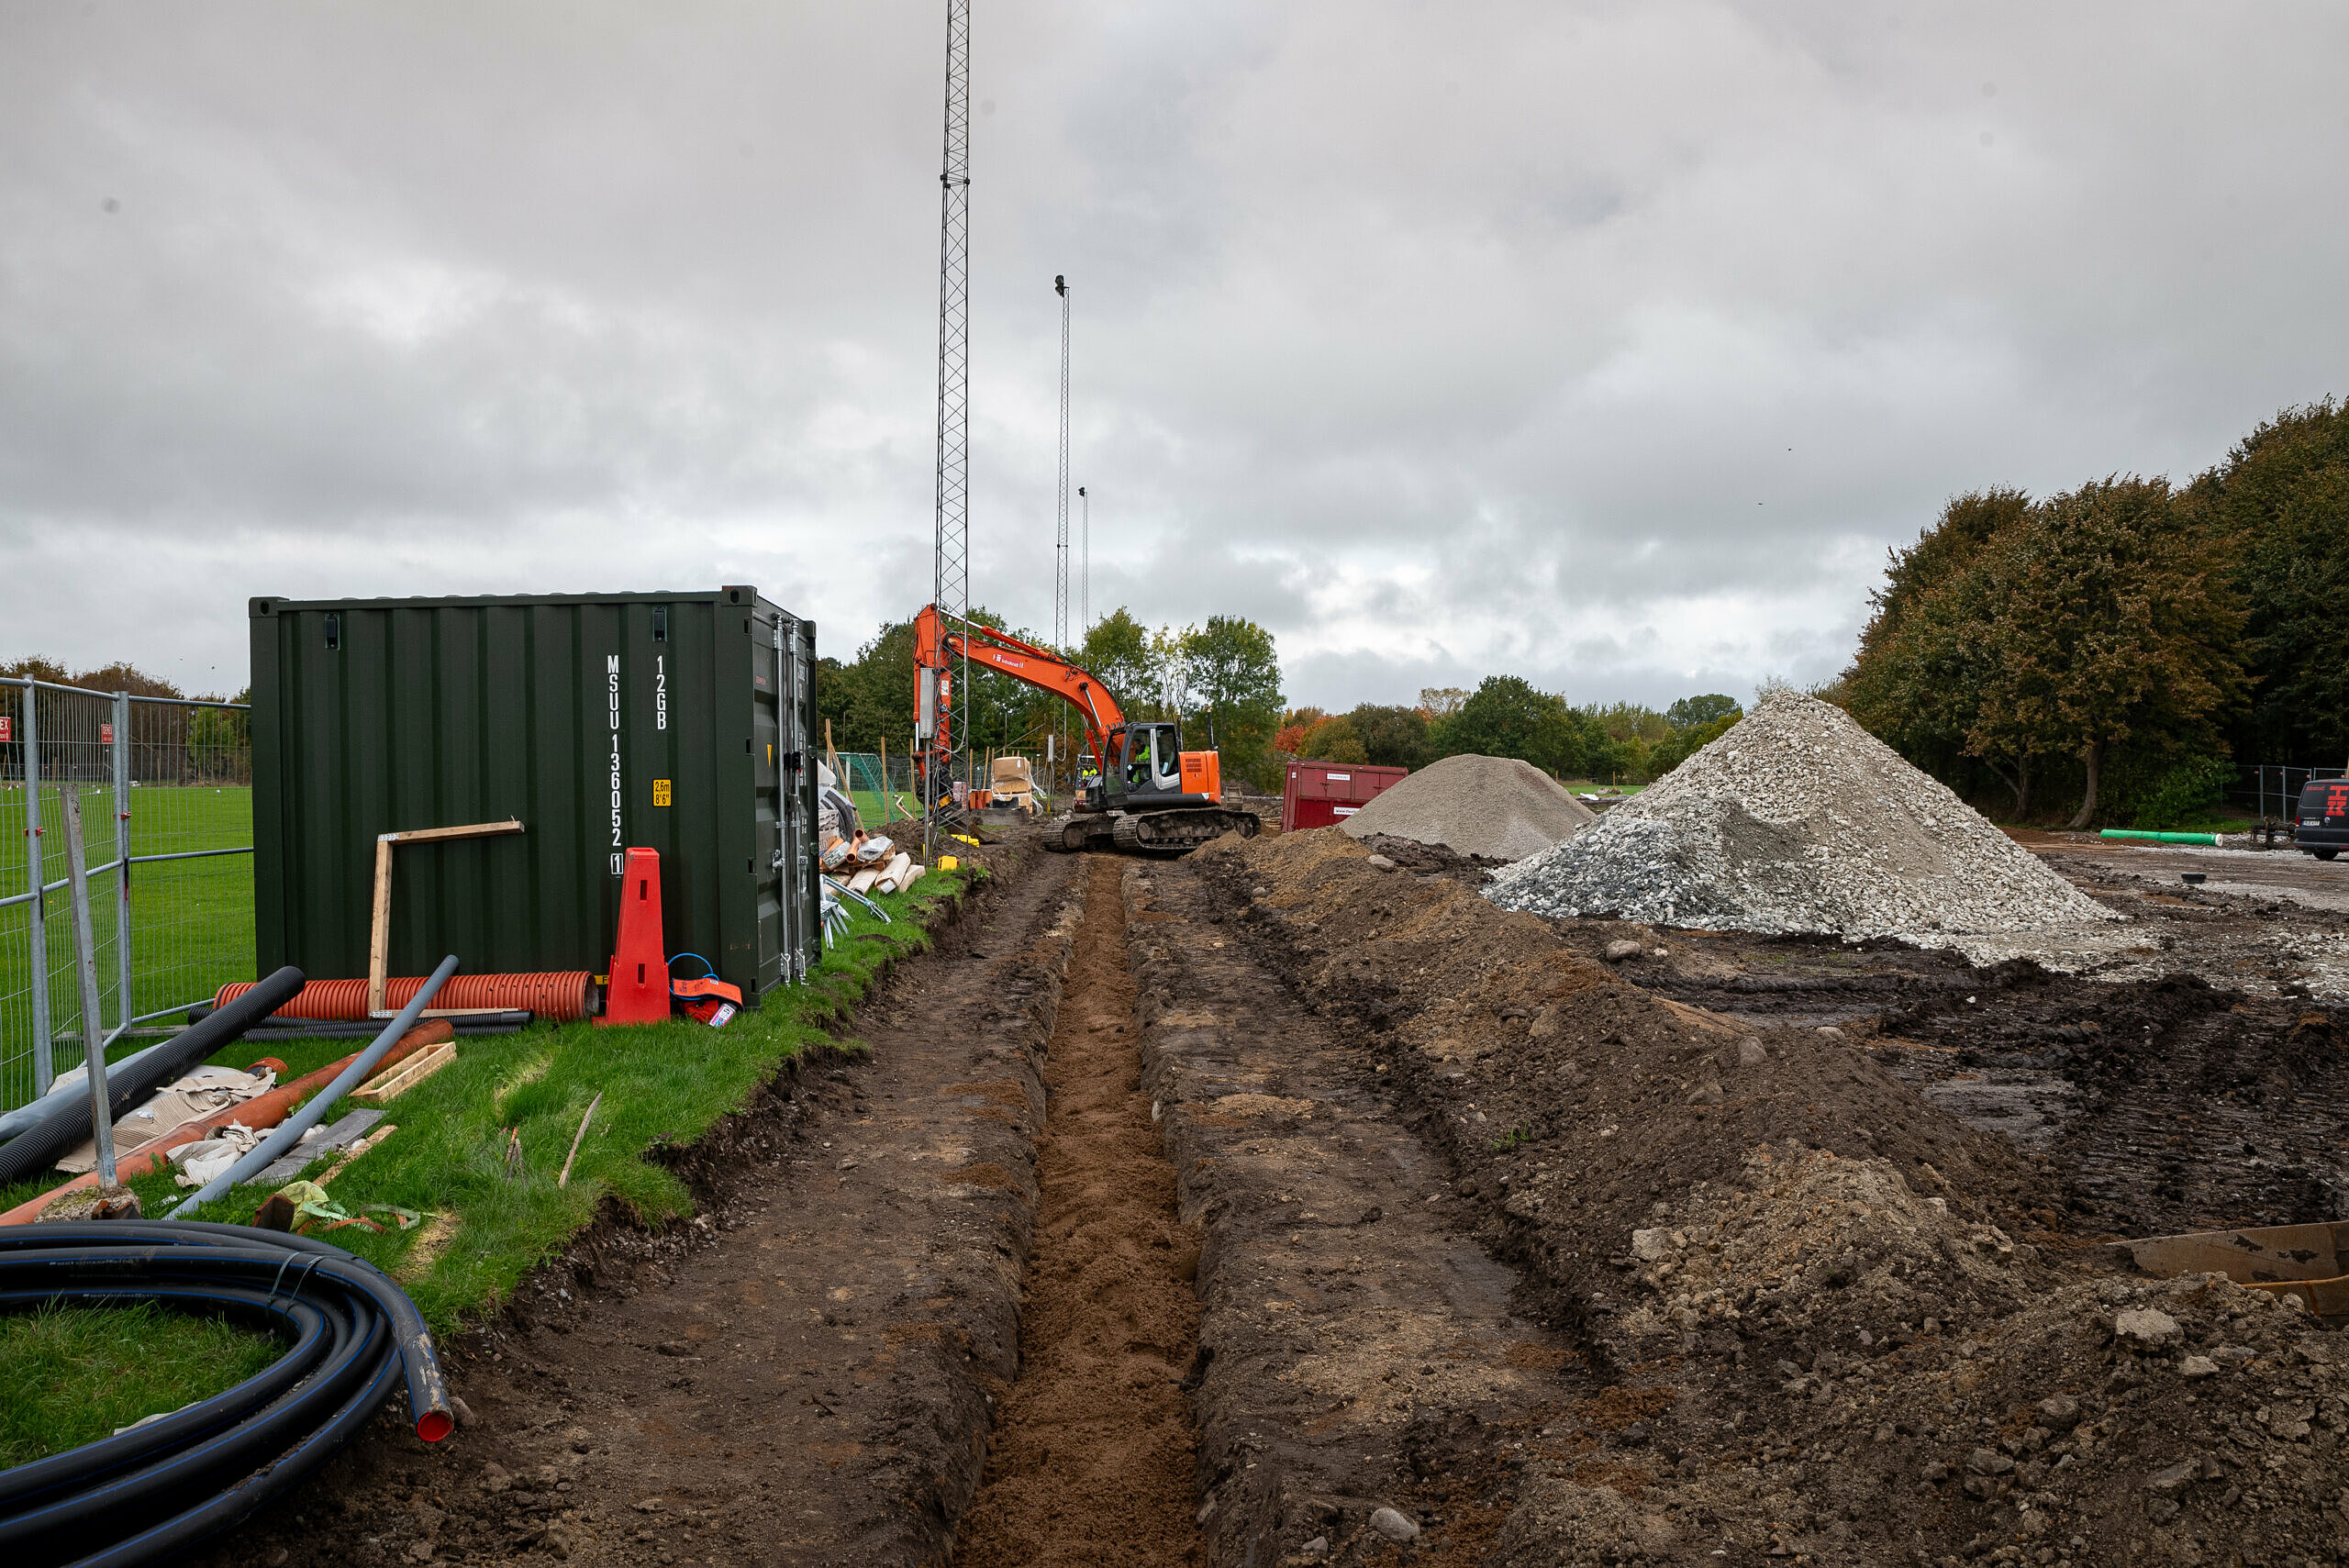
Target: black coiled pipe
point(158, 1489)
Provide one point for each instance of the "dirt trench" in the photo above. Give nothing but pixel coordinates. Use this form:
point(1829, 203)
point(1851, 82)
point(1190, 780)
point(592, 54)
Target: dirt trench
point(803, 1374)
point(1093, 1459)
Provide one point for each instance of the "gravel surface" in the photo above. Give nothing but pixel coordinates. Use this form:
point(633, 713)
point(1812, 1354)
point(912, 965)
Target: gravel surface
point(1495, 806)
point(1798, 820)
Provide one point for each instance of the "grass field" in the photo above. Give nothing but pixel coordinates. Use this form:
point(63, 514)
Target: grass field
point(192, 922)
point(483, 1226)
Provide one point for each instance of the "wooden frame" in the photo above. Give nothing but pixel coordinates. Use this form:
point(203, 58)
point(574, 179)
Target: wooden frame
point(379, 929)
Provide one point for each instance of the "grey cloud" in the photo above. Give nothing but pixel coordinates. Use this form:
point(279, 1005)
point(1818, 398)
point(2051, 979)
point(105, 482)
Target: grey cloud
point(1442, 340)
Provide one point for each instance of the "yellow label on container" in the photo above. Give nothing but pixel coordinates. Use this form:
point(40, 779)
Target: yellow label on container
point(660, 792)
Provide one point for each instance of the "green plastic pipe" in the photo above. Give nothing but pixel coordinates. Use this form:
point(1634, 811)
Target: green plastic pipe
point(2211, 839)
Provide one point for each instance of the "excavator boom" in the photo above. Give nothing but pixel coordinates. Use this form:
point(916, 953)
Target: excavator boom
point(936, 644)
point(1151, 797)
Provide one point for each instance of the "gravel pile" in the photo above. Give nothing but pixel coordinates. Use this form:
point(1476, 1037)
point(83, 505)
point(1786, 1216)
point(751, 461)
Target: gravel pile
point(1798, 820)
point(1495, 806)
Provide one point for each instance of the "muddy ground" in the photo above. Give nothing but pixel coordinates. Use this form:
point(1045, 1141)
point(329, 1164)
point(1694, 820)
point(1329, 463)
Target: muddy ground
point(804, 1373)
point(1276, 1206)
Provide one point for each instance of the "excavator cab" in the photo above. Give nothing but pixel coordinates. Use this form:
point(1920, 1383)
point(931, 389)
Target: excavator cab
point(1150, 771)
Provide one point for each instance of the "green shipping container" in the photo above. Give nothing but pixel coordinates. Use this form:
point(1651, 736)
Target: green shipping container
point(683, 723)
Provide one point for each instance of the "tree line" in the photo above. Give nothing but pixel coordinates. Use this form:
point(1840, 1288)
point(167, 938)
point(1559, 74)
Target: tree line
point(2111, 651)
point(1507, 716)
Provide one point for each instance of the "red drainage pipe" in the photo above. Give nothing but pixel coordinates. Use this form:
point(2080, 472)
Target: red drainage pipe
point(561, 997)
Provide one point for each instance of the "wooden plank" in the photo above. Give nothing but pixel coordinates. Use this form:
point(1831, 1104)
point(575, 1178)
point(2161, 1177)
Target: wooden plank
point(379, 929)
point(471, 830)
point(388, 1087)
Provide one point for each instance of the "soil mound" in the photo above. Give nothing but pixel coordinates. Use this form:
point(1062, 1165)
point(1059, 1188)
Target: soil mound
point(1798, 820)
point(1495, 806)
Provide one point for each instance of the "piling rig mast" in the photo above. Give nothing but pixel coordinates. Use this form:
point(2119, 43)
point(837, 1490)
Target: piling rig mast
point(950, 548)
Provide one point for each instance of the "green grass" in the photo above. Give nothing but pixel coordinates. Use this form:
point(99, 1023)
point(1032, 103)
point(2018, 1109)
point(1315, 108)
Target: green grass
point(71, 1374)
point(192, 922)
point(662, 1083)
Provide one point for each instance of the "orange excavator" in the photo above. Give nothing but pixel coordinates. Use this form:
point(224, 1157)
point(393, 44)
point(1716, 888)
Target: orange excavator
point(1148, 795)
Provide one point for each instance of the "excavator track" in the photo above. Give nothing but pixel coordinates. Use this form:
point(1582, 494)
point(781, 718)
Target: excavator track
point(1164, 834)
point(1171, 833)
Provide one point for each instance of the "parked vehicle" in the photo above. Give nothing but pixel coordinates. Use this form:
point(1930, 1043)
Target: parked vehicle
point(2322, 821)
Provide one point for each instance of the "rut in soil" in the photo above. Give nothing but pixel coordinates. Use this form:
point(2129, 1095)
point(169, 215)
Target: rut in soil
point(1093, 1456)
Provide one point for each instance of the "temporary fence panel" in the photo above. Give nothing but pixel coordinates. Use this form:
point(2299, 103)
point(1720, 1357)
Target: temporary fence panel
point(2271, 793)
point(679, 722)
point(165, 788)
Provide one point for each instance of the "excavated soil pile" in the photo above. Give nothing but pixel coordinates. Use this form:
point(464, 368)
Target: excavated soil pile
point(1838, 1323)
point(1798, 820)
point(1495, 806)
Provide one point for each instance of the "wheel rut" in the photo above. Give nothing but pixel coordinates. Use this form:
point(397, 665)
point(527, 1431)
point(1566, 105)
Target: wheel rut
point(1360, 1349)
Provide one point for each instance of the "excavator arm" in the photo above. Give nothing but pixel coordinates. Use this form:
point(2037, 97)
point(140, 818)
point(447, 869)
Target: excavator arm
point(937, 644)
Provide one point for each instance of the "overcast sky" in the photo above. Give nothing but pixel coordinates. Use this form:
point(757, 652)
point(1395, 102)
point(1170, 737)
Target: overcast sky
point(1606, 344)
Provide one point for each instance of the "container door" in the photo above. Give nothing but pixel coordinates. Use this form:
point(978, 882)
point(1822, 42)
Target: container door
point(798, 783)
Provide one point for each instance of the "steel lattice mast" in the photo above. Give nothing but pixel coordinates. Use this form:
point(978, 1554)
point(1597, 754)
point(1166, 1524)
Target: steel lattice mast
point(951, 554)
point(1059, 559)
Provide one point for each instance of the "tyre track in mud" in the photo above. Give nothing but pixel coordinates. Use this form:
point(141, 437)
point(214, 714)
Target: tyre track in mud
point(1359, 1350)
point(1093, 1459)
point(803, 1374)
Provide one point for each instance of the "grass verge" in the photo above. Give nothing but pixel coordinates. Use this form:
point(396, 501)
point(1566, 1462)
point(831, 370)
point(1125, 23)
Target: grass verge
point(484, 1226)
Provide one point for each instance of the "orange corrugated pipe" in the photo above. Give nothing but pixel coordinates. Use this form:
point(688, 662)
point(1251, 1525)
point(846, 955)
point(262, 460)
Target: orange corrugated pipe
point(558, 996)
point(261, 1111)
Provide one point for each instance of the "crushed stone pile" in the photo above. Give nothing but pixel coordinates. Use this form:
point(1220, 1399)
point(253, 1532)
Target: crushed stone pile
point(1798, 820)
point(1498, 808)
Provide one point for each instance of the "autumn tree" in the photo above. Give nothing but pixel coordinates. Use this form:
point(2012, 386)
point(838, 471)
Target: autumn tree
point(1506, 716)
point(2110, 621)
point(1697, 712)
point(2280, 506)
point(1116, 649)
point(1390, 737)
point(1233, 672)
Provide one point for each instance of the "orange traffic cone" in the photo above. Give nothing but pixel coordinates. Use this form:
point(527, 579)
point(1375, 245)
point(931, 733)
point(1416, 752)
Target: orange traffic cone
point(638, 992)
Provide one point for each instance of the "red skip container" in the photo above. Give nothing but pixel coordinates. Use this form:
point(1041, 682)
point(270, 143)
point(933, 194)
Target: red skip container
point(1319, 795)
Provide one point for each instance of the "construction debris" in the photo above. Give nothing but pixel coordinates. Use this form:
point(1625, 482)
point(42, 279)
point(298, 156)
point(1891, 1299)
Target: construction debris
point(198, 1093)
point(1495, 808)
point(394, 1082)
point(1798, 820)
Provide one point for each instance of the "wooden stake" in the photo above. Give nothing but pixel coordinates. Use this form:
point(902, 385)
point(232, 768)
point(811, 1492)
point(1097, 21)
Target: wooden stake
point(379, 929)
point(564, 1180)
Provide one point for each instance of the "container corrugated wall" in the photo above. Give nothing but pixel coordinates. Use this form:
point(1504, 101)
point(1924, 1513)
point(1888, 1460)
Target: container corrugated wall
point(680, 722)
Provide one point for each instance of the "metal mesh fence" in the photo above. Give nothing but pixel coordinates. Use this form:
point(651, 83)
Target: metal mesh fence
point(2270, 793)
point(881, 794)
point(165, 788)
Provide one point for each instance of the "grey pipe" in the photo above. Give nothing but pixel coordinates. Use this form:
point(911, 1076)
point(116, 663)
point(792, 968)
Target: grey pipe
point(289, 1131)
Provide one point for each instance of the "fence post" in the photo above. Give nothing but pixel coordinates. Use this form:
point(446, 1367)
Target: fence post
point(124, 1009)
point(85, 970)
point(37, 930)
